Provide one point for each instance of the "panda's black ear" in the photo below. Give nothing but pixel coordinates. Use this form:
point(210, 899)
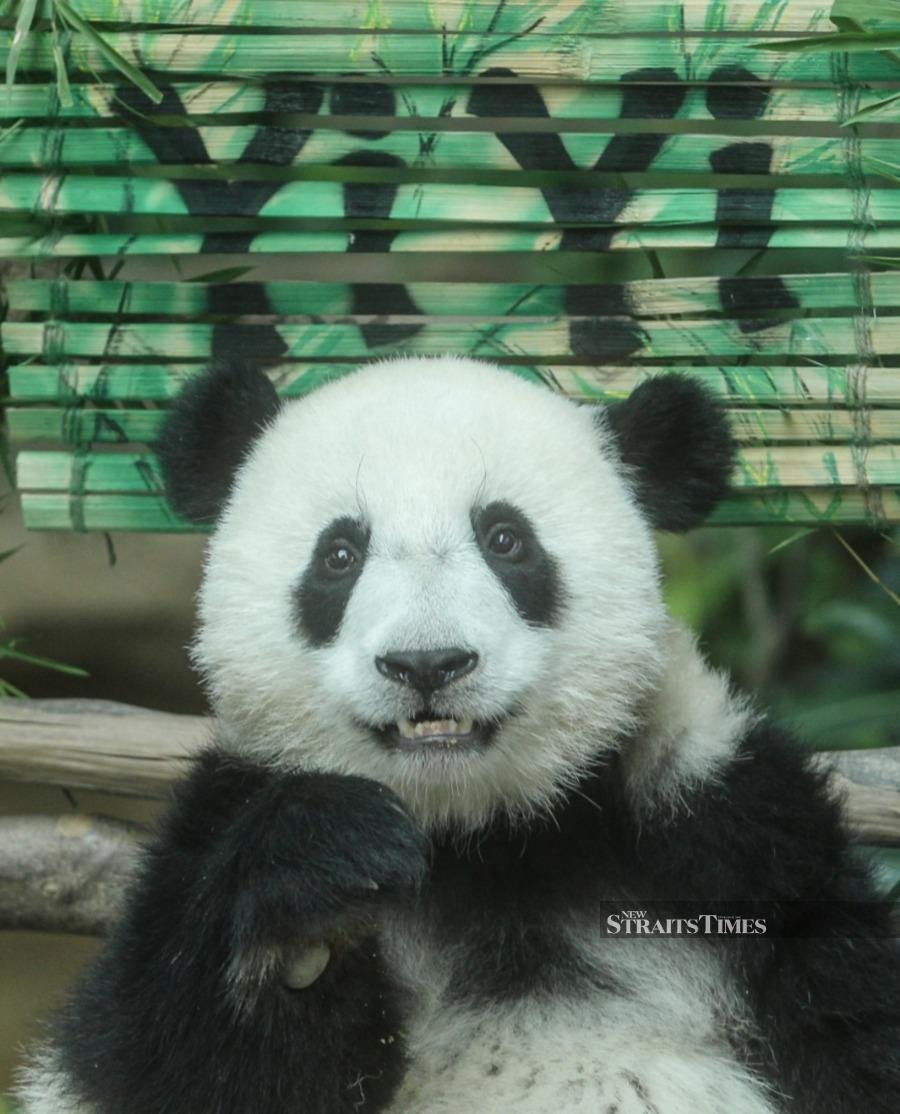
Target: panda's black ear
point(677, 446)
point(207, 433)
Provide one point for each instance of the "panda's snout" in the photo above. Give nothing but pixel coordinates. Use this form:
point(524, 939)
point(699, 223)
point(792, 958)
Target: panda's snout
point(426, 671)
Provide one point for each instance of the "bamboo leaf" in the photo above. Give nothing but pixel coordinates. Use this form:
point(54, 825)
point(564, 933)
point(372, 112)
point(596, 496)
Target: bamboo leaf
point(8, 650)
point(789, 541)
point(870, 573)
point(24, 21)
point(891, 261)
point(112, 56)
point(225, 274)
point(851, 42)
point(62, 74)
point(854, 12)
point(871, 110)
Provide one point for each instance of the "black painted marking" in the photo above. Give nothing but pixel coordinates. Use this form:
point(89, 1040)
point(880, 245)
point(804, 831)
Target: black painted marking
point(374, 201)
point(320, 599)
point(270, 146)
point(751, 208)
point(367, 98)
point(532, 577)
point(736, 94)
point(607, 339)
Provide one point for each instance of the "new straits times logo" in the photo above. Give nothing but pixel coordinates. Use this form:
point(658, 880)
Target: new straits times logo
point(641, 922)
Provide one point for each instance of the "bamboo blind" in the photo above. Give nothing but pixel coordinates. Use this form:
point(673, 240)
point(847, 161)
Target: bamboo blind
point(589, 191)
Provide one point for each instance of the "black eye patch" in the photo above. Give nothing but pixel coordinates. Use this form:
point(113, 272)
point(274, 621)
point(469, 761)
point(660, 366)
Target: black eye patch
point(513, 552)
point(321, 597)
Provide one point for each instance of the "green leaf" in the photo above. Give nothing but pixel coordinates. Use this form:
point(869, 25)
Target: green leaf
point(112, 56)
point(852, 42)
point(24, 21)
point(226, 274)
point(870, 110)
point(790, 541)
point(7, 651)
point(7, 553)
point(62, 74)
point(859, 12)
point(891, 261)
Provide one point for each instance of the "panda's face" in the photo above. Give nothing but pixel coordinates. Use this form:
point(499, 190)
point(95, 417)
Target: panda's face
point(432, 573)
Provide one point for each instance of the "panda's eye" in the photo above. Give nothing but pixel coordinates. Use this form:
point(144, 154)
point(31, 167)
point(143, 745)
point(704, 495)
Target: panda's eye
point(341, 557)
point(504, 541)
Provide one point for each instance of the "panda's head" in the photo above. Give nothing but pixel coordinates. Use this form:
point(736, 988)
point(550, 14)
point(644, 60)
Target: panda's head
point(434, 573)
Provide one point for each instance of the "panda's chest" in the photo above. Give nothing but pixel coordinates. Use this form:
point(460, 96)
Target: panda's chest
point(541, 1021)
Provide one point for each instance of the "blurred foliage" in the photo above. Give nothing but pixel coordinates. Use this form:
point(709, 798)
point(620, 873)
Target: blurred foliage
point(796, 620)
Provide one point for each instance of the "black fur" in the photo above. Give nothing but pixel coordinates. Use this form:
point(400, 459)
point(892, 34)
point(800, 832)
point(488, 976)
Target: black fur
point(320, 600)
point(180, 1015)
point(248, 859)
point(677, 446)
point(208, 432)
point(532, 578)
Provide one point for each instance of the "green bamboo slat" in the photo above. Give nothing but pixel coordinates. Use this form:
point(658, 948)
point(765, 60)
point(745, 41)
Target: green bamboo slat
point(449, 102)
point(596, 17)
point(737, 385)
point(794, 386)
point(813, 507)
point(809, 336)
point(150, 513)
point(50, 194)
point(448, 151)
point(376, 54)
point(137, 513)
point(462, 241)
point(103, 426)
point(757, 467)
point(646, 298)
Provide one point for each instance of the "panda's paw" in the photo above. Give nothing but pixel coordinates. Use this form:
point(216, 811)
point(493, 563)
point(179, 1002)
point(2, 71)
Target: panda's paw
point(312, 857)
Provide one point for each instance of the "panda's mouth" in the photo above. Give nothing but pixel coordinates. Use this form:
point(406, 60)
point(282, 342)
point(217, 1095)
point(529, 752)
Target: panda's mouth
point(427, 731)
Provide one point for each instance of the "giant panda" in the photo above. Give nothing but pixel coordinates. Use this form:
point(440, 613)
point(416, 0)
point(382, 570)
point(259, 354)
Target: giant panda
point(459, 747)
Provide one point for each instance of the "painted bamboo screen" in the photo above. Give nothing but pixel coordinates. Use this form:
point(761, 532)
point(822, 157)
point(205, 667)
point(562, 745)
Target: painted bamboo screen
point(590, 191)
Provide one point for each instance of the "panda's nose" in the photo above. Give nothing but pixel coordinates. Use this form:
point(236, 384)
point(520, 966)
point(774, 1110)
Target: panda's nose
point(426, 670)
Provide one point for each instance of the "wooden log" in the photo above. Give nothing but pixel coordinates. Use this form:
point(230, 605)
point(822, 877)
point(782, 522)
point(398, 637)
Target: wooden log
point(96, 744)
point(116, 747)
point(67, 874)
point(64, 873)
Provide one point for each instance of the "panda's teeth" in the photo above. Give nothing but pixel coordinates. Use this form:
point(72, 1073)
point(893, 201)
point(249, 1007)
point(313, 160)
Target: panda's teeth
point(433, 727)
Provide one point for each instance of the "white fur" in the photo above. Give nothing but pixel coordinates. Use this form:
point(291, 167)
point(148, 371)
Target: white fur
point(411, 446)
point(42, 1087)
point(691, 726)
point(655, 1045)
